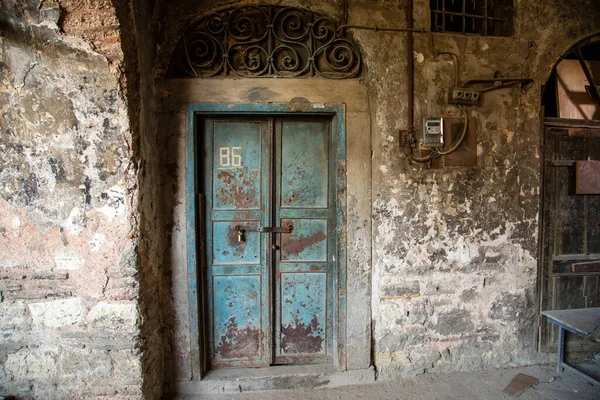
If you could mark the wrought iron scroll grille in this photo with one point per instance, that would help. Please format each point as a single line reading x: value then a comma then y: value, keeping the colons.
x: 266, y: 41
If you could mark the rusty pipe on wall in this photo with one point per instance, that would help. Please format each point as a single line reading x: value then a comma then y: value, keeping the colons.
x: 493, y: 81
x: 410, y: 72
x: 409, y: 29
x: 381, y: 29
x: 410, y: 82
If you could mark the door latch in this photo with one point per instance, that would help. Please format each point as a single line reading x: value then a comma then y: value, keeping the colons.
x: 288, y: 228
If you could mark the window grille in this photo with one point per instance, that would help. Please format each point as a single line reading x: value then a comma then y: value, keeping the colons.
x: 266, y: 41
x: 473, y: 17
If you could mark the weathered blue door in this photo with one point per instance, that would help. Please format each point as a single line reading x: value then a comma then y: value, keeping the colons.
x: 270, y: 240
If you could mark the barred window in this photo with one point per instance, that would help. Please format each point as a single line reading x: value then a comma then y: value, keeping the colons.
x: 473, y: 17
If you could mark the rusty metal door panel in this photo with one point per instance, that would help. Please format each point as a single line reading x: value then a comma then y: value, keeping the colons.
x: 228, y: 250
x: 236, y: 183
x: 304, y: 164
x: 307, y: 242
x: 269, y: 289
x: 304, y: 264
x: 237, y: 319
x: 303, y: 315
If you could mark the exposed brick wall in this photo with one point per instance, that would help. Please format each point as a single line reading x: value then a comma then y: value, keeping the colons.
x: 96, y: 22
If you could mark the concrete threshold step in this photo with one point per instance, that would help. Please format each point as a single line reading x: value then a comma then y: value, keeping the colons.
x: 273, y: 378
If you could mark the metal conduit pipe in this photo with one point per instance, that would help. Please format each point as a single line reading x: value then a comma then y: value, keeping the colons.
x: 410, y: 67
x: 410, y: 72
x: 381, y: 29
x: 494, y: 80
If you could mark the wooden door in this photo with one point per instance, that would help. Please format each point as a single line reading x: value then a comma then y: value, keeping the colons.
x: 304, y: 265
x: 270, y: 239
x: 570, y: 258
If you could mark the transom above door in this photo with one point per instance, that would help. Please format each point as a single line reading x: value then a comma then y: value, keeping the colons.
x: 270, y: 246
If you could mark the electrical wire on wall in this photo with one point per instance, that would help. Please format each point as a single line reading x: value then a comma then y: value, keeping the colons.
x: 417, y: 159
x: 454, y: 62
x: 462, y: 94
x: 455, y: 146
x: 435, y: 152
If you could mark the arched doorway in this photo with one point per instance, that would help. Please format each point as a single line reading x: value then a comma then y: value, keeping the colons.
x: 570, y: 226
x: 242, y: 279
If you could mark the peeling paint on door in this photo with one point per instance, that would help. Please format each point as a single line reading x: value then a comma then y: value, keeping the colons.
x: 271, y: 245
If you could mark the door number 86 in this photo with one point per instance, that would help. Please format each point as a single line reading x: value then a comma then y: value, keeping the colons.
x: 230, y: 156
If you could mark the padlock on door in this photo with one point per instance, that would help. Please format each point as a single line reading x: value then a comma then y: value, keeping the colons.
x: 240, y: 232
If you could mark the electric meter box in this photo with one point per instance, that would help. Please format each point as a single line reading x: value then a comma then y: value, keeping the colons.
x: 433, y: 132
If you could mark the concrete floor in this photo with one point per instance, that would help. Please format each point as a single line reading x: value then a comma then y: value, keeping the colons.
x: 486, y: 385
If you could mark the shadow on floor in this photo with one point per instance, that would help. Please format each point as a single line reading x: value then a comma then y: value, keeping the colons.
x: 484, y: 385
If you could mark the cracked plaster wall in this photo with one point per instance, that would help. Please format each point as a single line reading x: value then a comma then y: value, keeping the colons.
x: 454, y: 250
x: 454, y: 268
x: 69, y: 284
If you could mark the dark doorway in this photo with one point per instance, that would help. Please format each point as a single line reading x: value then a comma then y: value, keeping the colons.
x: 570, y: 225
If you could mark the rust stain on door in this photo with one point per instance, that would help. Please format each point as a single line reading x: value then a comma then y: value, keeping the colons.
x: 302, y: 338
x: 296, y: 246
x: 238, y: 343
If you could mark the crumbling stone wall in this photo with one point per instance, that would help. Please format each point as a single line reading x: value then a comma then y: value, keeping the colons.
x: 454, y: 250
x: 69, y: 319
x: 139, y: 30
x: 87, y: 239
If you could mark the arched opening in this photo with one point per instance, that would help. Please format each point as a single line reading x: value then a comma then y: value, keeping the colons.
x: 253, y: 155
x: 265, y: 41
x: 570, y: 226
x: 568, y: 92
